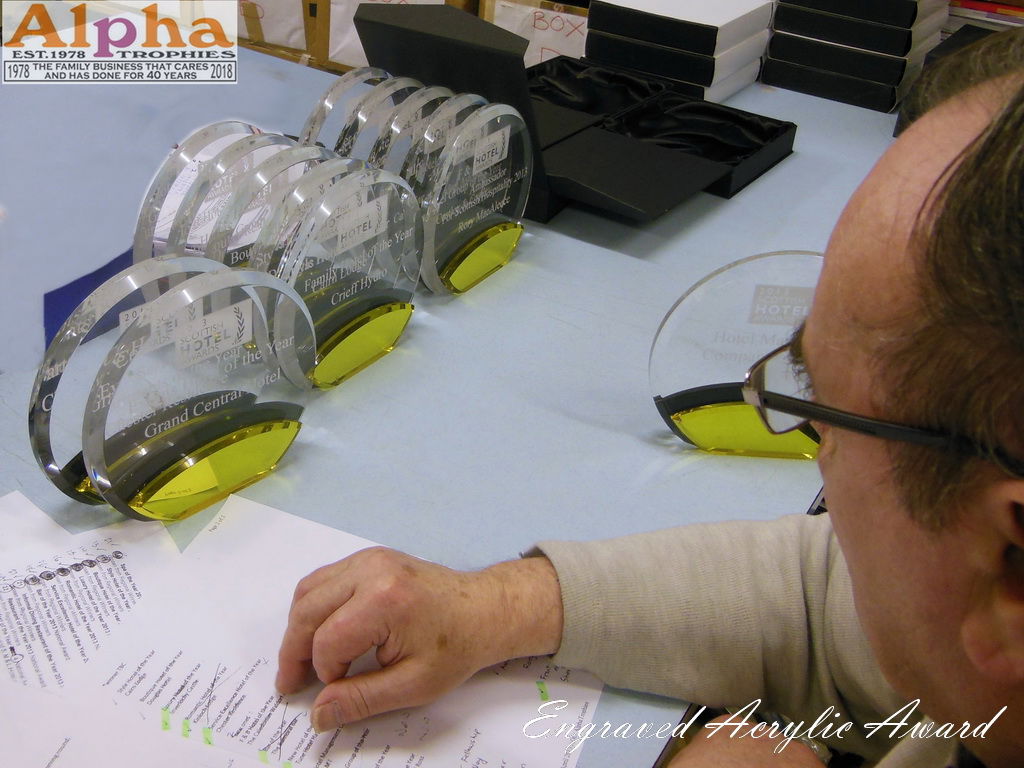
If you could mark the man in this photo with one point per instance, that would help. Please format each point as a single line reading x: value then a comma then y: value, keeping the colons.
x: 918, y: 320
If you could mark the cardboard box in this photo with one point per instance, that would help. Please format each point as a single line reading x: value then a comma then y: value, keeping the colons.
x: 856, y: 33
x: 896, y: 13
x: 575, y: 157
x: 605, y: 47
x: 697, y: 26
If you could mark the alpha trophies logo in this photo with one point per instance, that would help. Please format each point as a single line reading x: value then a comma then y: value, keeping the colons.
x: 128, y: 41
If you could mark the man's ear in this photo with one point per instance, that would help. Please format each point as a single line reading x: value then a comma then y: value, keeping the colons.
x: 992, y: 632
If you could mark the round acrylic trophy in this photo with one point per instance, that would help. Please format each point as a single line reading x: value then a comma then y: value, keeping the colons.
x: 239, y: 222
x: 289, y: 205
x: 173, y: 180
x: 720, y: 327
x: 368, y: 114
x: 195, y: 400
x: 61, y: 389
x: 430, y: 137
x: 354, y: 260
x: 212, y: 187
x: 473, y: 198
x: 406, y: 121
x: 332, y: 112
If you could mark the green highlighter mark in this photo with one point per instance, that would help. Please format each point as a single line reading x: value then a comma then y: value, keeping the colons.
x: 208, y: 736
x: 186, y: 728
x: 264, y: 758
x: 165, y: 719
x: 543, y: 688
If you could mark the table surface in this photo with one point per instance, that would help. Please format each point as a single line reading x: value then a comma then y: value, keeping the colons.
x: 518, y: 412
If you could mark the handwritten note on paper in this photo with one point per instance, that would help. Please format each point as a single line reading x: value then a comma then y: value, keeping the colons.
x: 551, y: 32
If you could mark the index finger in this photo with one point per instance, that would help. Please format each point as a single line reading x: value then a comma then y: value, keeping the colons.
x: 310, y: 608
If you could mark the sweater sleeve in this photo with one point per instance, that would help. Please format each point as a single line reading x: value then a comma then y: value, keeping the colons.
x: 723, y: 614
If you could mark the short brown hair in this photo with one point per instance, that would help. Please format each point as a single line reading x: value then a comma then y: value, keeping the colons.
x: 960, y: 369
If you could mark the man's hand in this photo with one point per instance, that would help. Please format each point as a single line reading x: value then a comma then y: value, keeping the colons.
x: 721, y: 749
x: 432, y: 627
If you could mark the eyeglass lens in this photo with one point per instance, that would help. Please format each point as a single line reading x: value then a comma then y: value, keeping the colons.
x: 783, y: 378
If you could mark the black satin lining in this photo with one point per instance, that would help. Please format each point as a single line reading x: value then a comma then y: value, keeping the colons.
x: 700, y: 128
x: 570, y: 83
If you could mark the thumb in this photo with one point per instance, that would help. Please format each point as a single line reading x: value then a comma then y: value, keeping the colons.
x: 370, y: 693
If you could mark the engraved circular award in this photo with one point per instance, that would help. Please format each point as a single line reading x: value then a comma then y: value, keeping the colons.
x: 195, y: 400
x: 61, y: 388
x: 212, y: 187
x: 173, y: 180
x: 473, y: 198
x: 289, y: 205
x: 406, y: 121
x: 332, y: 112
x: 354, y: 260
x: 239, y: 222
x: 430, y: 137
x: 368, y: 114
x: 710, y: 337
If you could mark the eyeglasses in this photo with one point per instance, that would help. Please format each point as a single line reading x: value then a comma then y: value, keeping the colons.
x: 778, y: 392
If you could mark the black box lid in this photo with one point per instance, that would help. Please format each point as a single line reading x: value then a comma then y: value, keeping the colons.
x: 830, y: 85
x: 832, y: 57
x: 898, y: 13
x: 630, y: 178
x: 695, y: 36
x: 845, y: 30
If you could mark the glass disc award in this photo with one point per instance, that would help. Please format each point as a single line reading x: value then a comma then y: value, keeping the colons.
x: 213, y: 186
x: 62, y: 385
x: 405, y: 122
x: 368, y: 114
x: 713, y: 334
x: 172, y: 181
x: 289, y: 205
x: 474, y: 197
x: 353, y: 257
x: 194, y: 402
x: 332, y: 112
x: 432, y: 136
x: 249, y: 207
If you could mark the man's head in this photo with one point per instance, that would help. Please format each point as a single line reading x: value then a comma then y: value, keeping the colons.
x: 919, y: 319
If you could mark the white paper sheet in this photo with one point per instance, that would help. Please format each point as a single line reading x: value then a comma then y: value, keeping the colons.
x: 56, y: 731
x: 199, y: 663
x: 63, y: 596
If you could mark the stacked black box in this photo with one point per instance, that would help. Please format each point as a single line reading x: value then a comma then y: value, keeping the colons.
x: 715, y: 48
x: 862, y: 52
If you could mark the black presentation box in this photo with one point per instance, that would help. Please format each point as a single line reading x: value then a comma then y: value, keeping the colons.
x: 714, y: 27
x: 664, y: 118
x: 608, y: 48
x: 576, y: 155
x: 896, y: 13
x: 831, y: 85
x: 857, y: 33
x: 841, y: 59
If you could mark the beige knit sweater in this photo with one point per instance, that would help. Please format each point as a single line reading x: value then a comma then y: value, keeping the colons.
x: 723, y: 614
